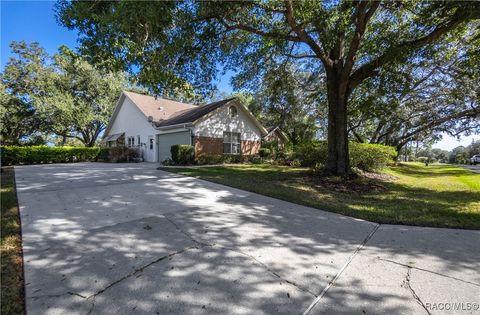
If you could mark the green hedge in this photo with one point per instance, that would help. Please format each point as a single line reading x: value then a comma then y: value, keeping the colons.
x: 365, y: 156
x: 265, y: 152
x: 182, y: 154
x: 14, y: 155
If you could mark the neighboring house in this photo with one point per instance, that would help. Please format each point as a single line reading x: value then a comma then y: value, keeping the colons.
x: 276, y: 134
x: 155, y: 124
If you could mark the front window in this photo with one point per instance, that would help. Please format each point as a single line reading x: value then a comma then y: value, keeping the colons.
x: 150, y: 143
x: 131, y: 141
x: 231, y: 143
x: 232, y: 111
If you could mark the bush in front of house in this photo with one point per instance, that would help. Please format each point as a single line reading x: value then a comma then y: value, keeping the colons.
x: 183, y: 154
x: 265, y: 152
x: 15, y: 155
x: 103, y: 154
x: 370, y: 157
x: 311, y: 153
x: 123, y: 154
x: 209, y: 159
x: 365, y: 156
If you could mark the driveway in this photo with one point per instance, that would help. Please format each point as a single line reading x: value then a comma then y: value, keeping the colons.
x: 129, y: 239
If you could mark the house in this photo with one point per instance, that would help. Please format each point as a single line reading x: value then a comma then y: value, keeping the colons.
x: 154, y: 124
x: 276, y: 134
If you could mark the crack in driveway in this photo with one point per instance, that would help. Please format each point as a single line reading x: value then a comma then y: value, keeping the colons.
x: 429, y: 271
x: 136, y: 271
x: 412, y: 291
x: 339, y: 273
x: 266, y: 267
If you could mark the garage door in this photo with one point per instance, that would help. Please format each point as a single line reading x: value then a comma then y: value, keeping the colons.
x: 166, y: 141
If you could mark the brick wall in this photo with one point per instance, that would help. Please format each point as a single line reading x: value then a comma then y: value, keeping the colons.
x: 208, y: 145
x: 249, y: 147
x: 215, y: 146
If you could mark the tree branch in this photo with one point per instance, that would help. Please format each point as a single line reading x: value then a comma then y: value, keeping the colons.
x: 250, y: 29
x: 406, y: 47
x: 437, y: 122
x: 363, y: 16
x: 303, y: 35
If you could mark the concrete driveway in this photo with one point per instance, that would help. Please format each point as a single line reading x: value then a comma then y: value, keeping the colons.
x: 129, y: 239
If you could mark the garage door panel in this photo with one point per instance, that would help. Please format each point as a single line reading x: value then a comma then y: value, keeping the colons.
x: 165, y: 142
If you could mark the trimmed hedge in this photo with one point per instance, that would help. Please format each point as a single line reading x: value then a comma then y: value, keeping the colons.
x: 182, y: 154
x: 211, y: 159
x: 365, y: 156
x: 14, y: 155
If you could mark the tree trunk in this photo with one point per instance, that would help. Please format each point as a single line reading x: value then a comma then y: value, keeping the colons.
x: 338, y: 162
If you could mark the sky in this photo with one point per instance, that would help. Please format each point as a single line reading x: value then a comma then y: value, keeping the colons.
x: 35, y: 21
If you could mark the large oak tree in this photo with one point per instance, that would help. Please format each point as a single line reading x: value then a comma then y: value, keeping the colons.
x: 173, y: 43
x: 61, y: 95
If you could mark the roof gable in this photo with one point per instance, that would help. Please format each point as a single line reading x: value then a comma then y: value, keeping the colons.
x: 157, y: 108
x: 191, y: 115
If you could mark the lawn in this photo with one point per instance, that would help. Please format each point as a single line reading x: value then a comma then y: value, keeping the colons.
x: 11, y: 247
x: 411, y: 193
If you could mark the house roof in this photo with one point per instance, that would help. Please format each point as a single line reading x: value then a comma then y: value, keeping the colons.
x: 157, y: 108
x: 277, y: 129
x: 166, y: 113
x: 114, y: 137
x: 190, y: 115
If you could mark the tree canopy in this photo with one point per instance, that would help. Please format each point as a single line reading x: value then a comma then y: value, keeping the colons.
x: 171, y: 44
x: 61, y: 95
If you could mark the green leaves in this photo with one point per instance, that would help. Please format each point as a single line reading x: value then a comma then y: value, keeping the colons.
x: 62, y: 95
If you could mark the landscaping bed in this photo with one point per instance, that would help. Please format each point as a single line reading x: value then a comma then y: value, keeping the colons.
x: 411, y: 193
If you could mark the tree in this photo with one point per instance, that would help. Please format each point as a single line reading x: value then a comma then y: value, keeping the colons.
x: 176, y: 42
x: 20, y: 124
x: 420, y: 100
x: 64, y: 94
x: 284, y: 99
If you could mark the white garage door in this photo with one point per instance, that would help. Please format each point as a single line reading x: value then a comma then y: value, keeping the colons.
x: 166, y: 141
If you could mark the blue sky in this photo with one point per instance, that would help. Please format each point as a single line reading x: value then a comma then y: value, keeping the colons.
x: 35, y: 21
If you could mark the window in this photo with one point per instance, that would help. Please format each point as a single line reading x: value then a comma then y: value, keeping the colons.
x: 150, y: 143
x: 131, y: 141
x: 231, y: 143
x: 138, y: 141
x: 232, y: 111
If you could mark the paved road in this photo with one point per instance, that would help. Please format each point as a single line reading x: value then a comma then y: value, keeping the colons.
x: 129, y: 239
x: 473, y: 168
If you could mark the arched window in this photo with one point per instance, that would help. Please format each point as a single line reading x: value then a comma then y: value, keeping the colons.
x: 232, y: 111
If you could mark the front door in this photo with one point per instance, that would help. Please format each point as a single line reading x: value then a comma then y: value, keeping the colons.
x: 151, y: 149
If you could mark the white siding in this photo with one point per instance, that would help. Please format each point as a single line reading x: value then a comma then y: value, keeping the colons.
x: 133, y: 123
x: 214, y: 124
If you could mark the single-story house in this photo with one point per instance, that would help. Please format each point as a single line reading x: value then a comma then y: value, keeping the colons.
x: 154, y: 124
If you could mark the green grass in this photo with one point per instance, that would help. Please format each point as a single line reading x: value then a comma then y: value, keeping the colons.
x: 10, y: 247
x: 411, y: 194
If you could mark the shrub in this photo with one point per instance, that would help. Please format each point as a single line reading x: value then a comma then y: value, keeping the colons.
x: 365, y: 156
x: 183, y: 154
x: 123, y: 154
x: 264, y: 152
x: 370, y: 157
x: 208, y: 159
x: 103, y: 154
x: 167, y: 162
x: 15, y: 155
x: 309, y: 154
